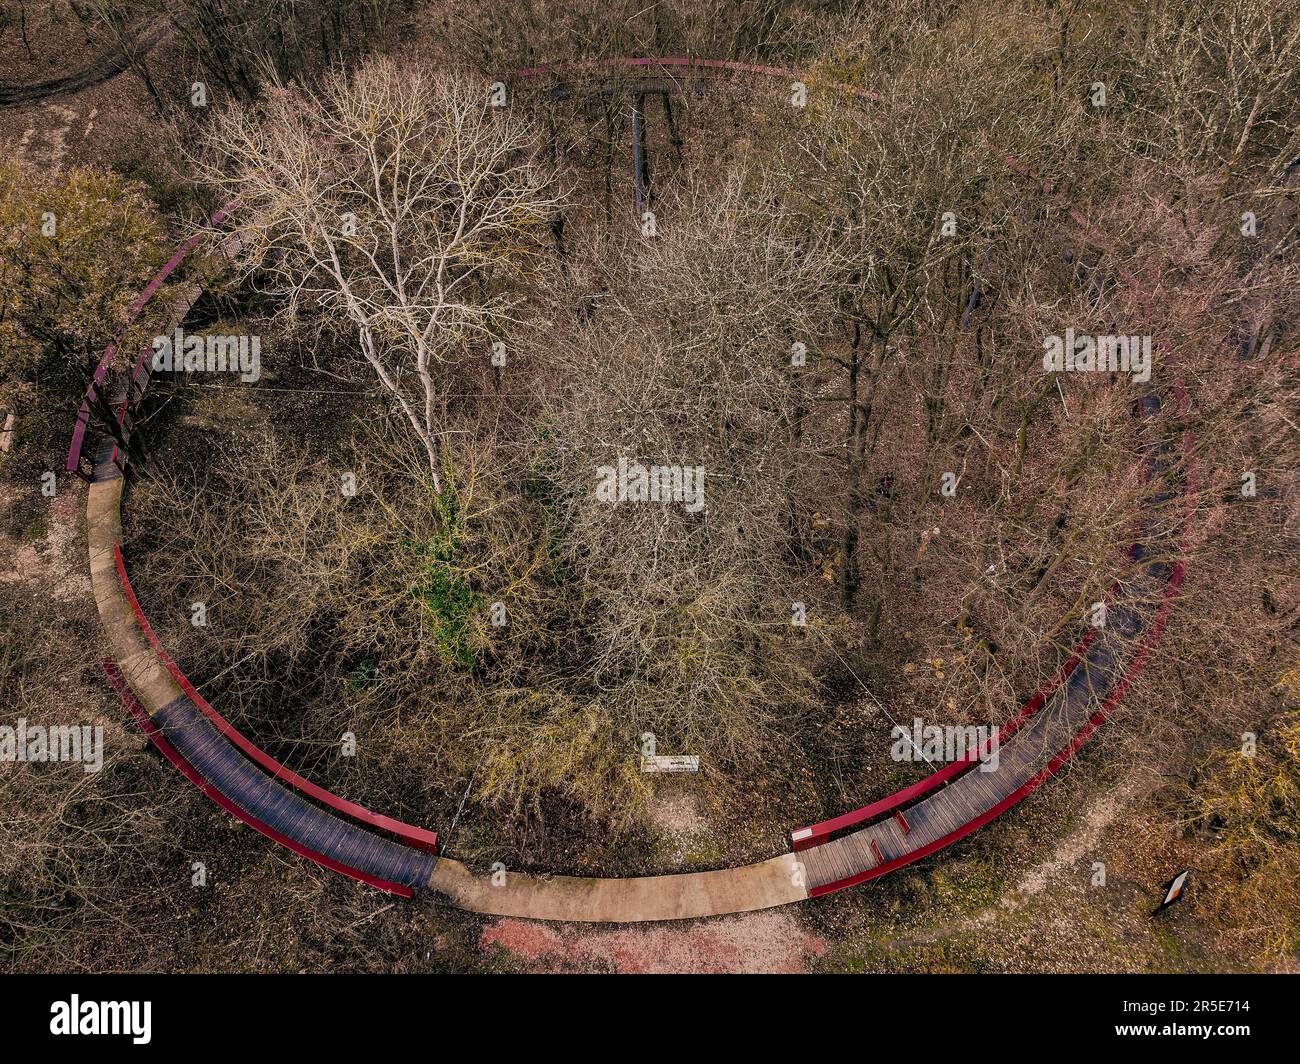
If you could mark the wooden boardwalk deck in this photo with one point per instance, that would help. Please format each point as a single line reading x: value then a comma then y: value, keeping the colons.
x: 980, y: 789
x: 224, y: 766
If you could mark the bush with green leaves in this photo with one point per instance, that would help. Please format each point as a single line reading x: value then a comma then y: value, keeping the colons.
x: 76, y: 248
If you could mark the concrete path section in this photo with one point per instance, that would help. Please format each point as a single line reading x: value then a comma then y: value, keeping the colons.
x: 777, y: 881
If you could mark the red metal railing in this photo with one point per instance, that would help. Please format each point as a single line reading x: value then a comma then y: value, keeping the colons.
x: 421, y: 838
x: 141, y: 368
x: 173, y: 755
x: 584, y: 66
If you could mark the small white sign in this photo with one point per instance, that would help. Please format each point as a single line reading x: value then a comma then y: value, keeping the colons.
x: 670, y: 763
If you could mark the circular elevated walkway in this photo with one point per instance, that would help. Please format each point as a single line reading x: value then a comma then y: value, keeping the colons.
x: 396, y: 857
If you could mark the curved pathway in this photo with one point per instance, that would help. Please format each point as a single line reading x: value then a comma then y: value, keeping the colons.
x: 917, y: 821
x: 104, y: 67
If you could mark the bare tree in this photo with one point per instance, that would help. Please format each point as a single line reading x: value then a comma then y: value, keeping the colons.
x: 396, y: 202
x: 684, y: 359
